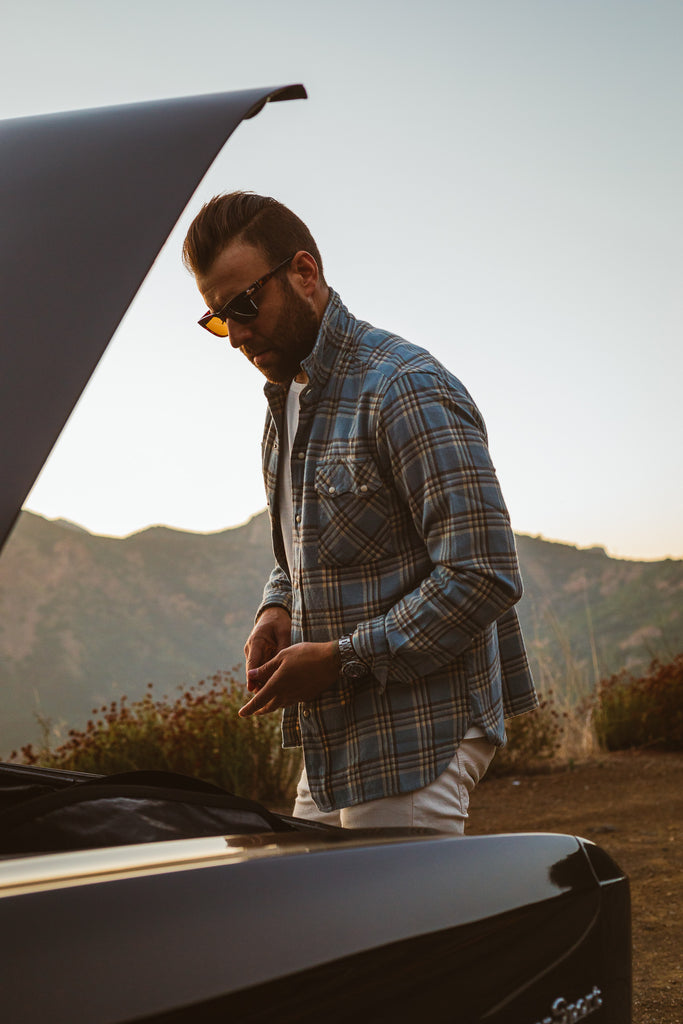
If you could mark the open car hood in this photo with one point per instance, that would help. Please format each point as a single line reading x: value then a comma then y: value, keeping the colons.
x: 87, y: 199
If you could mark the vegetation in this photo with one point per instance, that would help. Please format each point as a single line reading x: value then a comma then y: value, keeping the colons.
x: 201, y: 734
x: 197, y: 734
x: 534, y: 739
x: 642, y: 712
x: 623, y: 711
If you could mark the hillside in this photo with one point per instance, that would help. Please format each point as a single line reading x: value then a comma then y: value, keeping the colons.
x: 85, y: 618
x: 586, y: 613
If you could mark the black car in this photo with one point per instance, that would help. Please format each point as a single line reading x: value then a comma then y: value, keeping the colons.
x: 152, y: 897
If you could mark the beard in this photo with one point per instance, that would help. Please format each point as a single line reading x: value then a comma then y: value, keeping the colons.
x: 292, y: 338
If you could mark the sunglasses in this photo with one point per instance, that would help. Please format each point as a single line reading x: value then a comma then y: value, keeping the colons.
x: 242, y: 308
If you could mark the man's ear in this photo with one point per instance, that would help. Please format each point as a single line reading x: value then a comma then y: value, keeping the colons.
x: 305, y: 271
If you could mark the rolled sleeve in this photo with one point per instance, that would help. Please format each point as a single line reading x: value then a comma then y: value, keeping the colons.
x: 277, y: 591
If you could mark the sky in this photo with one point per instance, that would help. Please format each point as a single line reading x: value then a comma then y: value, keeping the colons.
x: 498, y: 181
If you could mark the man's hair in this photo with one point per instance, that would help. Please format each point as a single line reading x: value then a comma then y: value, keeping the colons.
x: 257, y: 220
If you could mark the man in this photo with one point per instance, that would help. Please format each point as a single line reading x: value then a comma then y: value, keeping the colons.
x: 387, y: 630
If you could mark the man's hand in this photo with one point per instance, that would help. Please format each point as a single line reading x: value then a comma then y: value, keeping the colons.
x: 271, y: 634
x: 300, y: 672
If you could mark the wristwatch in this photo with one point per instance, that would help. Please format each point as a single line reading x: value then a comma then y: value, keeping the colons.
x: 351, y: 665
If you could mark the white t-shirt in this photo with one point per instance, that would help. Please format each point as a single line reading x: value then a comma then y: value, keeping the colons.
x: 285, y: 510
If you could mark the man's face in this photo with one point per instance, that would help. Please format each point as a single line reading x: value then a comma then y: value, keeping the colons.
x: 286, y: 327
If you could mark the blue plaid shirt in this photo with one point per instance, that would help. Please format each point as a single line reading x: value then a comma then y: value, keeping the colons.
x: 402, y: 539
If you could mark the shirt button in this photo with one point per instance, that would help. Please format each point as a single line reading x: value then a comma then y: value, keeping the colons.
x: 363, y: 488
x: 306, y: 712
x: 301, y: 455
x: 298, y: 519
x: 332, y: 490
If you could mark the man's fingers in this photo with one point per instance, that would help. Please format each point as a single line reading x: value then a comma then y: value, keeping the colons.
x: 261, y: 703
x: 259, y: 680
x: 258, y: 652
x: 259, y: 676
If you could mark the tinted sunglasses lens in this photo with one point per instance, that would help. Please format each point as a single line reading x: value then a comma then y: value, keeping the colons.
x: 215, y: 325
x: 241, y: 309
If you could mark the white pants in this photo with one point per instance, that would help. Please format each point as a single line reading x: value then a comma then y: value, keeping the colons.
x: 442, y: 804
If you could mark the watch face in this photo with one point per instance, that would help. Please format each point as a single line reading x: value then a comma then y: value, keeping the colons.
x: 354, y: 670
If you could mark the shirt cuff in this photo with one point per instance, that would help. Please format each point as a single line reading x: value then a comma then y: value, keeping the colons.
x: 279, y: 602
x: 372, y: 646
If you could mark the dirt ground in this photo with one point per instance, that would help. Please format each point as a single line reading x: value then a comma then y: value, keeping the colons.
x: 631, y: 804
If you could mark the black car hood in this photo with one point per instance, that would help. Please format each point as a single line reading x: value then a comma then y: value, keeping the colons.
x: 87, y: 199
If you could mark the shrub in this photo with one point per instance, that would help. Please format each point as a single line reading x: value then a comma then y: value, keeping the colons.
x: 197, y: 734
x: 642, y: 712
x: 533, y: 740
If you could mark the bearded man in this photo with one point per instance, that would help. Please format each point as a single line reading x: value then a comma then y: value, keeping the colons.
x: 387, y: 630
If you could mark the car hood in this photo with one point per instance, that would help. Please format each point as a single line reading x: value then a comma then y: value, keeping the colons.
x: 87, y: 199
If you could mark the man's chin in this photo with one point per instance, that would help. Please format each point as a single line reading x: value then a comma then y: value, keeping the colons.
x: 278, y: 375
x: 275, y: 370
x: 266, y: 362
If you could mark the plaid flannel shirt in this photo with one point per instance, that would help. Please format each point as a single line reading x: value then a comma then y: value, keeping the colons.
x: 402, y: 539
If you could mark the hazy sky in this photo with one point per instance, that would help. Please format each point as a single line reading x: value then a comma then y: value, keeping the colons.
x: 497, y: 180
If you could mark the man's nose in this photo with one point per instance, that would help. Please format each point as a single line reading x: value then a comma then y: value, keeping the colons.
x: 238, y: 334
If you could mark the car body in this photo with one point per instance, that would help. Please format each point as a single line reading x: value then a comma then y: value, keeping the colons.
x: 156, y: 898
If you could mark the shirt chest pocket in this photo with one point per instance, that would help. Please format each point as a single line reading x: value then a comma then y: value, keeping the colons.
x: 353, y: 513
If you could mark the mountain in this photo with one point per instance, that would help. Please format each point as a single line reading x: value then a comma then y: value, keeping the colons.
x: 84, y: 618
x: 586, y: 615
